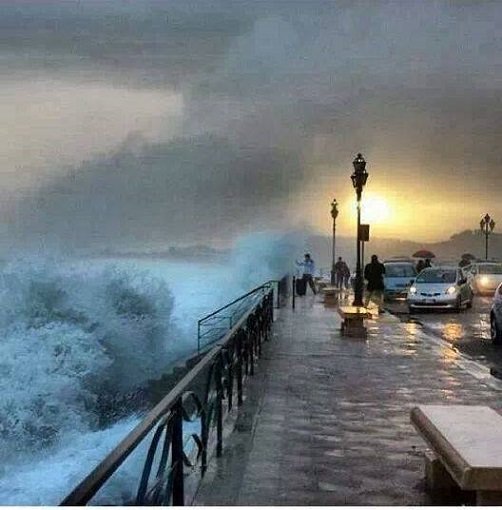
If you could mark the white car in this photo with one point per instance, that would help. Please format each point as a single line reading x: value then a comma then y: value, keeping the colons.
x: 496, y: 317
x: 398, y: 278
x: 484, y: 277
x: 440, y: 287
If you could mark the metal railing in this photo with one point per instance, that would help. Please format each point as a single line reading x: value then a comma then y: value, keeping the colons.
x: 214, y: 326
x: 187, y: 424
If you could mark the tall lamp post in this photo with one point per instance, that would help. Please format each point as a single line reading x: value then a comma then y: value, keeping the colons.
x: 359, y: 178
x: 487, y: 225
x: 334, y: 214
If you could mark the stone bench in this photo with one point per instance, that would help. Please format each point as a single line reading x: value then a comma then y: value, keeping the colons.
x: 330, y: 295
x: 353, y: 320
x: 466, y: 444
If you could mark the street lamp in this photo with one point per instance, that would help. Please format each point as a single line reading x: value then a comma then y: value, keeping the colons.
x: 334, y: 214
x: 359, y: 178
x: 487, y: 225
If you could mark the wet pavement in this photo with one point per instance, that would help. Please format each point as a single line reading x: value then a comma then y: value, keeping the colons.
x: 467, y: 331
x: 326, y: 418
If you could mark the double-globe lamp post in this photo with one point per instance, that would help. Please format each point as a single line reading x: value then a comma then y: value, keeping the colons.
x: 487, y: 225
x: 334, y: 214
x: 359, y: 178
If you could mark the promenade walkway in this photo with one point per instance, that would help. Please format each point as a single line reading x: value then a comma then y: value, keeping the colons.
x: 326, y: 418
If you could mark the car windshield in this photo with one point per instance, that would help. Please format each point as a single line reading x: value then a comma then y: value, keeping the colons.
x: 399, y: 270
x: 490, y: 269
x: 437, y: 276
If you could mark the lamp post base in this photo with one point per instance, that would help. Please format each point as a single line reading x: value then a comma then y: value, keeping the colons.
x: 333, y: 277
x: 358, y: 292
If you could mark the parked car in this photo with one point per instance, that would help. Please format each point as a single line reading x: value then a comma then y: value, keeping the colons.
x: 440, y: 287
x: 399, y: 275
x: 484, y: 277
x: 496, y: 316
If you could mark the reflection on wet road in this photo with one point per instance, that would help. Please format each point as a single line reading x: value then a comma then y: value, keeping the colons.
x: 467, y: 331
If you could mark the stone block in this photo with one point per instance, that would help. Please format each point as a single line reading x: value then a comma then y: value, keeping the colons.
x: 489, y: 498
x: 436, y: 475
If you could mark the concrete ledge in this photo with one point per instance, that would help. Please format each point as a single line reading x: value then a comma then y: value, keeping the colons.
x: 354, y: 312
x: 467, y: 440
x: 353, y: 321
x: 330, y: 295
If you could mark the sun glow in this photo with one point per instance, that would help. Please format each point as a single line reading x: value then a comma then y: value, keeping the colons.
x: 375, y: 209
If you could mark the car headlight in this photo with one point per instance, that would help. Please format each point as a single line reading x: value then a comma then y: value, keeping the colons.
x: 451, y: 290
x: 413, y: 290
x: 484, y: 280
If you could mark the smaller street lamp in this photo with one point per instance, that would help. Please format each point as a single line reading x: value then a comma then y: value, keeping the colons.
x: 487, y: 225
x: 334, y: 214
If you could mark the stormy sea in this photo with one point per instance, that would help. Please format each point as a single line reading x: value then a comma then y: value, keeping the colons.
x: 81, y: 339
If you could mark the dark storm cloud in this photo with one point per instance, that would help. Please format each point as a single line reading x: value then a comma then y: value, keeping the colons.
x: 414, y: 80
x: 146, y: 194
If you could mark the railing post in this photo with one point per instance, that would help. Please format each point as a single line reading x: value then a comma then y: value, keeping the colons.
x: 219, y: 408
x: 259, y: 327
x: 177, y: 455
x: 270, y: 318
x: 204, y: 435
x: 230, y: 377
x: 239, y: 367
x: 251, y: 341
x: 294, y: 293
x: 245, y: 350
x: 198, y: 337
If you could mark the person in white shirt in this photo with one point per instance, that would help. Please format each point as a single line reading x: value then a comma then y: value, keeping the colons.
x: 308, y: 266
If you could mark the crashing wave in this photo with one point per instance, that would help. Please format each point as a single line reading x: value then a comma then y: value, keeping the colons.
x: 70, y: 338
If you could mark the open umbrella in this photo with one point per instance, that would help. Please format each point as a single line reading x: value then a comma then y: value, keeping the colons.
x: 423, y: 254
x: 468, y: 256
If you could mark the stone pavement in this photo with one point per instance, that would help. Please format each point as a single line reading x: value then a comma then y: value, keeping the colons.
x: 326, y: 418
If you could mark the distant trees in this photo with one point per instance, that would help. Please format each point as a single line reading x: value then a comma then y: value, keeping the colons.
x: 465, y: 234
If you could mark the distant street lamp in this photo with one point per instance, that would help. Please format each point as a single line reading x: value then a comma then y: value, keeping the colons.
x: 359, y: 178
x: 334, y: 214
x: 487, y: 225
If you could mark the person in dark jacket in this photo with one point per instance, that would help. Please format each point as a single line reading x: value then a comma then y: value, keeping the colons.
x: 373, y: 274
x: 342, y: 273
x: 420, y: 266
x: 464, y: 262
x: 427, y: 263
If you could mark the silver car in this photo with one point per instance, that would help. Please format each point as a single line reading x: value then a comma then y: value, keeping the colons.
x: 496, y: 317
x: 440, y: 288
x: 484, y: 277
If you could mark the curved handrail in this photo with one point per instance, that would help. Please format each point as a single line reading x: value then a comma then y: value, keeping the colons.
x: 244, y: 343
x: 220, y: 323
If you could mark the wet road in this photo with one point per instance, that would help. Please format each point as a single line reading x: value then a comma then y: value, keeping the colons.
x: 467, y: 331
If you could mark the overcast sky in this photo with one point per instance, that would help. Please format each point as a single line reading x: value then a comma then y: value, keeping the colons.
x: 139, y: 124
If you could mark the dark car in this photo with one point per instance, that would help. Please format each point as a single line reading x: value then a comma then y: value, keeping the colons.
x: 496, y: 316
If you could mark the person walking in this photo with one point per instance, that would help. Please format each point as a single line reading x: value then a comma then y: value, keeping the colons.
x: 464, y: 262
x: 374, y: 273
x: 342, y: 273
x: 308, y: 266
x: 420, y: 265
x: 346, y: 276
